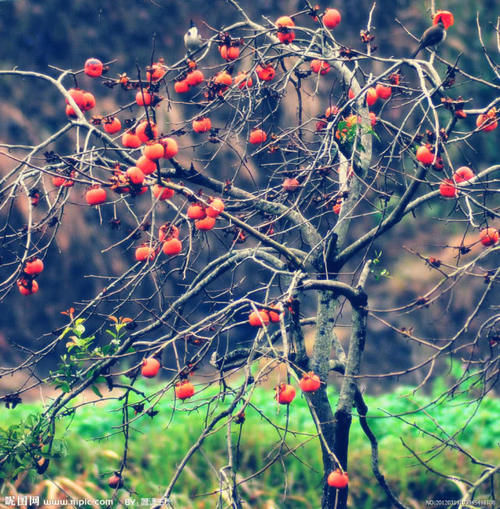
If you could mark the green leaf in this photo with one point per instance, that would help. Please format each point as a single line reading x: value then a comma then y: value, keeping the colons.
x: 64, y: 332
x: 64, y: 386
x: 79, y: 328
x: 96, y: 391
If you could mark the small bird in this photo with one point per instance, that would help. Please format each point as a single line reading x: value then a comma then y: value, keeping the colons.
x: 192, y: 39
x: 433, y: 36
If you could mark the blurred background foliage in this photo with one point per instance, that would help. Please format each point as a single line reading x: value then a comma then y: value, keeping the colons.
x: 90, y: 448
x: 41, y: 36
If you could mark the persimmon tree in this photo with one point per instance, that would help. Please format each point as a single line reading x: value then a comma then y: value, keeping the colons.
x: 231, y: 268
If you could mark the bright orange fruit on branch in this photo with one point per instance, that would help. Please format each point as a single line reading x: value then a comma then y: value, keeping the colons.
x: 162, y: 193
x: 77, y: 96
x: 172, y: 246
x: 196, y: 211
x: 371, y: 96
x: 88, y: 101
x: 310, y: 382
x: 146, y: 131
x: 331, y: 18
x: 447, y: 189
x: 96, y: 195
x: 320, y: 67
x: 257, y: 136
x: 112, y: 125
x: 146, y: 165
x: 274, y: 316
x: 170, y: 146
x: 229, y: 52
x: 425, y: 155
x: 184, y: 389
x: 383, y: 91
x: 153, y: 151
x: 135, y: 175
x: 205, y: 224
x: 338, y: 479
x: 337, y: 206
x: 27, y: 286
x: 168, y: 231
x: 202, y: 125
x: 143, y: 98
x: 93, y: 67
x: 489, y: 236
x: 285, y: 21
x: 462, y: 174
x: 285, y: 394
x: 157, y: 72
x: 33, y: 267
x: 145, y: 253
x: 259, y: 318
x: 487, y: 121
x: 265, y: 72
x: 285, y: 34
x: 131, y: 140
x: 115, y: 481
x: 195, y: 78
x: 242, y: 80
x: 181, y: 87
x: 223, y: 78
x: 215, y: 208
x: 150, y: 367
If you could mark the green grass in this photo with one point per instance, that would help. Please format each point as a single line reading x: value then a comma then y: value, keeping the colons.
x: 158, y: 444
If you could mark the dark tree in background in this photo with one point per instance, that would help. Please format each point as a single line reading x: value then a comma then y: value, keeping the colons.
x: 232, y: 211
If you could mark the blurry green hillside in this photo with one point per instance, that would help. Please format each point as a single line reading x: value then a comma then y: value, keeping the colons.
x: 92, y: 445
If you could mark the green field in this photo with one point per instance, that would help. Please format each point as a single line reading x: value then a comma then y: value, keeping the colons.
x: 92, y: 445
